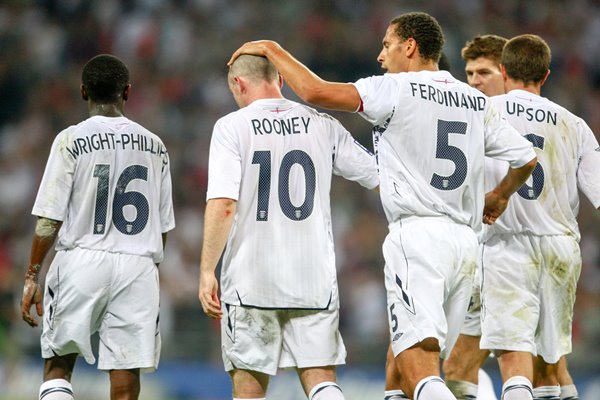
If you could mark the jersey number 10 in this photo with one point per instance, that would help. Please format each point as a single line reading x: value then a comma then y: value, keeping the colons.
x: 295, y: 213
x: 121, y: 199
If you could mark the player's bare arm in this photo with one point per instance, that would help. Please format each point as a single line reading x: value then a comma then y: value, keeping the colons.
x: 305, y: 83
x: 496, y: 200
x: 218, y: 218
x: 45, y: 234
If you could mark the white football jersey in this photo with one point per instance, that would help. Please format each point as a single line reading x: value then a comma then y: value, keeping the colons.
x: 430, y: 136
x: 108, y: 180
x: 276, y: 158
x: 568, y: 159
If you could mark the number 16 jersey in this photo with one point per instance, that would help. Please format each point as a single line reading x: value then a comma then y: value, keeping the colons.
x: 276, y: 158
x: 108, y: 180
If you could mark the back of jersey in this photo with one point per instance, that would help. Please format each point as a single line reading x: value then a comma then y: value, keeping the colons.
x: 276, y: 158
x: 431, y: 132
x: 547, y: 204
x: 108, y: 180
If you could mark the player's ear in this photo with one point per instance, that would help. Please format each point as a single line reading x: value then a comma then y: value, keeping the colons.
x: 411, y: 47
x: 504, y: 74
x: 240, y: 83
x: 126, y: 91
x: 545, y: 77
x: 84, y: 93
x: 280, y: 81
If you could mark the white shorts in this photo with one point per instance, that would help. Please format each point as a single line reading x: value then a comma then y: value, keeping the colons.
x: 528, y: 292
x: 264, y: 340
x: 472, y: 324
x: 429, y: 267
x: 116, y: 295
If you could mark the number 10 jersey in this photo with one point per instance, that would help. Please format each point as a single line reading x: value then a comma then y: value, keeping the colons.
x: 276, y: 157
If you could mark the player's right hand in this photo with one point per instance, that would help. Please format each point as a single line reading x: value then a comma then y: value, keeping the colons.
x: 32, y: 294
x: 208, y: 293
x: 255, y: 48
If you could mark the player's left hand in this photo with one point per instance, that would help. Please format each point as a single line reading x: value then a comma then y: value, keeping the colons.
x: 32, y: 294
x: 208, y: 294
x: 495, y: 204
x: 255, y: 48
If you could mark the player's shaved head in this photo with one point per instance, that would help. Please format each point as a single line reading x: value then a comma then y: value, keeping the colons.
x: 526, y: 58
x: 105, y: 77
x: 256, y: 69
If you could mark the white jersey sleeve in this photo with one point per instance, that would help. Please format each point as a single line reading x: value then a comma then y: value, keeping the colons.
x: 588, y: 178
x: 276, y: 158
x: 224, y: 168
x: 353, y: 161
x: 55, y: 189
x: 108, y: 180
x: 503, y: 142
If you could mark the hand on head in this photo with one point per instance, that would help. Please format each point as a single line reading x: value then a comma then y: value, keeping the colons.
x: 255, y: 48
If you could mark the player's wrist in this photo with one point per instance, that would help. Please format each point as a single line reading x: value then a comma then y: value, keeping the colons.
x: 33, y: 272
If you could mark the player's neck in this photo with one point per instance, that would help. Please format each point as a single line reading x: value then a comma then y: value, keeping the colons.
x: 264, y: 92
x: 421, y: 65
x: 105, y: 110
x: 520, y: 85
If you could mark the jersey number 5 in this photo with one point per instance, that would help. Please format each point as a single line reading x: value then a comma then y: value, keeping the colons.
x: 121, y: 199
x: 446, y: 151
x: 295, y: 213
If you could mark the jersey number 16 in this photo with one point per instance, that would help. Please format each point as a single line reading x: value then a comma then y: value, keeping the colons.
x: 121, y: 199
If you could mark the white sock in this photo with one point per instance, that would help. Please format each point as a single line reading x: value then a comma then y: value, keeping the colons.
x: 569, y: 392
x: 517, y: 388
x: 326, y: 391
x: 432, y: 388
x: 395, y: 395
x: 485, y: 389
x: 463, y: 390
x: 56, y: 389
x: 546, y: 393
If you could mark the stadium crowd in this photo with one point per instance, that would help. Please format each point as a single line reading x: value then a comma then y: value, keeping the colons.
x: 177, y: 52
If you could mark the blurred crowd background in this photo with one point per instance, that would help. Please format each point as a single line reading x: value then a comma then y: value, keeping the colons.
x: 177, y: 52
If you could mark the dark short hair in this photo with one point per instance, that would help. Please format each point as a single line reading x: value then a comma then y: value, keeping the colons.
x: 105, y: 77
x: 526, y: 58
x: 488, y: 46
x: 424, y: 29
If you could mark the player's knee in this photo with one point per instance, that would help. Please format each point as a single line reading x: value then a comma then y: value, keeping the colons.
x: 326, y: 391
x: 56, y: 389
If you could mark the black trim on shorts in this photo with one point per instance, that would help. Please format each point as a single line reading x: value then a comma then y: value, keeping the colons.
x: 284, y: 308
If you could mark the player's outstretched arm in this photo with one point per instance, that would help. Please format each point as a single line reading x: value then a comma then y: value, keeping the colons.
x: 218, y: 218
x: 45, y: 234
x: 496, y: 200
x: 305, y: 83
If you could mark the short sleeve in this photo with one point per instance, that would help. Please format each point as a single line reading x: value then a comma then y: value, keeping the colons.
x: 55, y: 189
x: 377, y: 94
x: 503, y: 142
x: 588, y: 179
x: 355, y: 162
x: 167, y: 216
x: 225, y: 163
